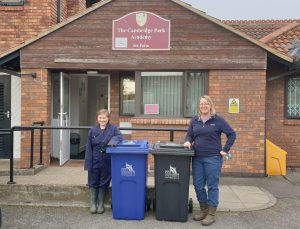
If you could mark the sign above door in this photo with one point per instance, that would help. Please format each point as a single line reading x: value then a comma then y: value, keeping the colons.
x: 141, y: 30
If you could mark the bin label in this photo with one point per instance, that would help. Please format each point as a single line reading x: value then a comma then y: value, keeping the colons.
x: 172, y: 173
x: 128, y: 171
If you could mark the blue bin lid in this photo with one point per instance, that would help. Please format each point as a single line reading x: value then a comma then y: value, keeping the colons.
x: 130, y: 147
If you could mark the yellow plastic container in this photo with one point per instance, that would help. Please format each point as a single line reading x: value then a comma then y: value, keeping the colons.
x: 276, y: 159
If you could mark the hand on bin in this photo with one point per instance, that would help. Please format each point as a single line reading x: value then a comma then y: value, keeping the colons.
x: 187, y: 144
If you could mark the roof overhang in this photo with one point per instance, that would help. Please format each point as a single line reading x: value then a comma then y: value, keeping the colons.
x: 11, y: 61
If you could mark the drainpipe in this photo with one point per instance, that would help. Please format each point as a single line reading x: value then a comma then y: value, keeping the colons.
x: 58, y: 11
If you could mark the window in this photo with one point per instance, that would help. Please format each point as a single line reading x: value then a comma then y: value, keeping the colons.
x: 127, y: 94
x: 172, y: 94
x: 196, y: 85
x: 293, y: 97
x: 163, y: 89
x: 11, y: 2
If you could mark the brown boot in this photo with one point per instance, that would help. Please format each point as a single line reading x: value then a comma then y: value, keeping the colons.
x: 210, y: 217
x: 203, y: 212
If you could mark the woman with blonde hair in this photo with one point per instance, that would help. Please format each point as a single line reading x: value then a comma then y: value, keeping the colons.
x: 97, y: 161
x: 204, y: 136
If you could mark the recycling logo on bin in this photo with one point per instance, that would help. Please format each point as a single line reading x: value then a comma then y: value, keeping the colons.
x: 172, y: 173
x: 128, y: 171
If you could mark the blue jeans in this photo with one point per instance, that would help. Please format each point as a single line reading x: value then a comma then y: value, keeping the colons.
x: 206, y: 172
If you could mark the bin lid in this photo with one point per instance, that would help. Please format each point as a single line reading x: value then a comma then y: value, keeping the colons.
x: 171, y: 148
x: 130, y: 147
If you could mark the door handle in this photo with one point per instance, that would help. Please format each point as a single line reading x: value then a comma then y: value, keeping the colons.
x: 7, y: 113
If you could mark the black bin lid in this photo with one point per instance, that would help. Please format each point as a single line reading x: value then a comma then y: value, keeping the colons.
x: 171, y: 148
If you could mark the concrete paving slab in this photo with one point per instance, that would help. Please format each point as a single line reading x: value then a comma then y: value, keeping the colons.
x: 232, y: 197
x: 293, y: 176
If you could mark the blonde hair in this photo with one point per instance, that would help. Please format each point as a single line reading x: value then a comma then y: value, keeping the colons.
x: 212, y: 106
x: 103, y: 112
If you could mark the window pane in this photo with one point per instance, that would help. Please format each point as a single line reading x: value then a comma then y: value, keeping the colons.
x: 11, y: 2
x: 164, y: 89
x: 196, y: 86
x: 128, y: 95
x: 293, y: 97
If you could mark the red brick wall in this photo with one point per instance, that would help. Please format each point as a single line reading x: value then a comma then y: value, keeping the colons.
x: 114, y: 98
x: 75, y: 7
x: 281, y: 131
x: 20, y: 23
x: 249, y: 124
x: 35, y: 106
x: 249, y: 86
x: 64, y: 10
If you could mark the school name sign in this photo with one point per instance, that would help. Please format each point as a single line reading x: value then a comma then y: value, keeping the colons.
x: 141, y: 31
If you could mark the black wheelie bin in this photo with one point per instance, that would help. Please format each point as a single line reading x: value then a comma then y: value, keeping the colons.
x: 172, y: 178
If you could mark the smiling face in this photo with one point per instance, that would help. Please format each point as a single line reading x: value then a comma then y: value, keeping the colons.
x: 102, y: 119
x: 205, y: 107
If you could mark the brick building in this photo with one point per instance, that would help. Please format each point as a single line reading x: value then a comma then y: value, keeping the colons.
x: 21, y: 20
x: 104, y: 57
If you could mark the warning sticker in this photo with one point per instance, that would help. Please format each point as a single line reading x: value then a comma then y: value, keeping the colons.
x: 234, y: 105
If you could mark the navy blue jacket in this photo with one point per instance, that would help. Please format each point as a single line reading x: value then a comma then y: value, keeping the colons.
x: 95, y: 154
x: 206, y: 137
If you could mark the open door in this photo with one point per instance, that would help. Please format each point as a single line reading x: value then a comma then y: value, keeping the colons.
x: 64, y: 119
x: 61, y: 118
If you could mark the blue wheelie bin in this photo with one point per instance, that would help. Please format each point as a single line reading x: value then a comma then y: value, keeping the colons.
x: 129, y: 173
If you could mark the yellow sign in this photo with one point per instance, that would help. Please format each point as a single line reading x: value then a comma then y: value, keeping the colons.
x: 234, y: 106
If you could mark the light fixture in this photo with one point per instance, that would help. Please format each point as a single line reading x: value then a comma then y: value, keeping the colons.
x: 33, y: 74
x: 92, y: 72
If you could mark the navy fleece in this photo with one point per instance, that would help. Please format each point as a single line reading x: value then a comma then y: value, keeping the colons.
x: 206, y: 137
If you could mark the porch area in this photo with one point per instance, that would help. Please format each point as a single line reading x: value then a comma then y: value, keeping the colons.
x: 65, y: 186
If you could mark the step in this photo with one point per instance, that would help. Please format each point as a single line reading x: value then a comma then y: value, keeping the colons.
x: 51, y: 195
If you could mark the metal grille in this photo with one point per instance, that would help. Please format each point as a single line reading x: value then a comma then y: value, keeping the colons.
x: 1, y: 101
x: 293, y: 97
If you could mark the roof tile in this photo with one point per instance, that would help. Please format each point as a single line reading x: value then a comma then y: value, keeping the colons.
x: 277, y: 34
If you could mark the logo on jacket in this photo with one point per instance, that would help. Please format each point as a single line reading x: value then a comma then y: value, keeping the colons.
x: 172, y: 173
x: 128, y: 171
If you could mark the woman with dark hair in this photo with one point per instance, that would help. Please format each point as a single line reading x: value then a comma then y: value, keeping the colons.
x: 204, y: 135
x: 97, y: 161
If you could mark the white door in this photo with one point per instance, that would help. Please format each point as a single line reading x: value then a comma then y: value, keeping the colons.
x: 64, y: 119
x: 61, y: 117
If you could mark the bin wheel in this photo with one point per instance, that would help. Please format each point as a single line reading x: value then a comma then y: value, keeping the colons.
x: 190, y: 205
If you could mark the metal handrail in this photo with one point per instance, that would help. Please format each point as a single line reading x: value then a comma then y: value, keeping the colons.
x: 41, y: 128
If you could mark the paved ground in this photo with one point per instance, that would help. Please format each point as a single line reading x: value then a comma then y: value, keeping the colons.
x: 233, y: 197
x: 283, y: 214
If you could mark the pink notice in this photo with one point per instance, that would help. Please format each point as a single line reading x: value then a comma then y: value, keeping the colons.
x: 151, y: 109
x: 141, y: 31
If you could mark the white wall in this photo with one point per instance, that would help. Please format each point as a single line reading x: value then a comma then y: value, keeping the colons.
x: 16, y: 113
x: 98, y: 96
x: 78, y: 109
